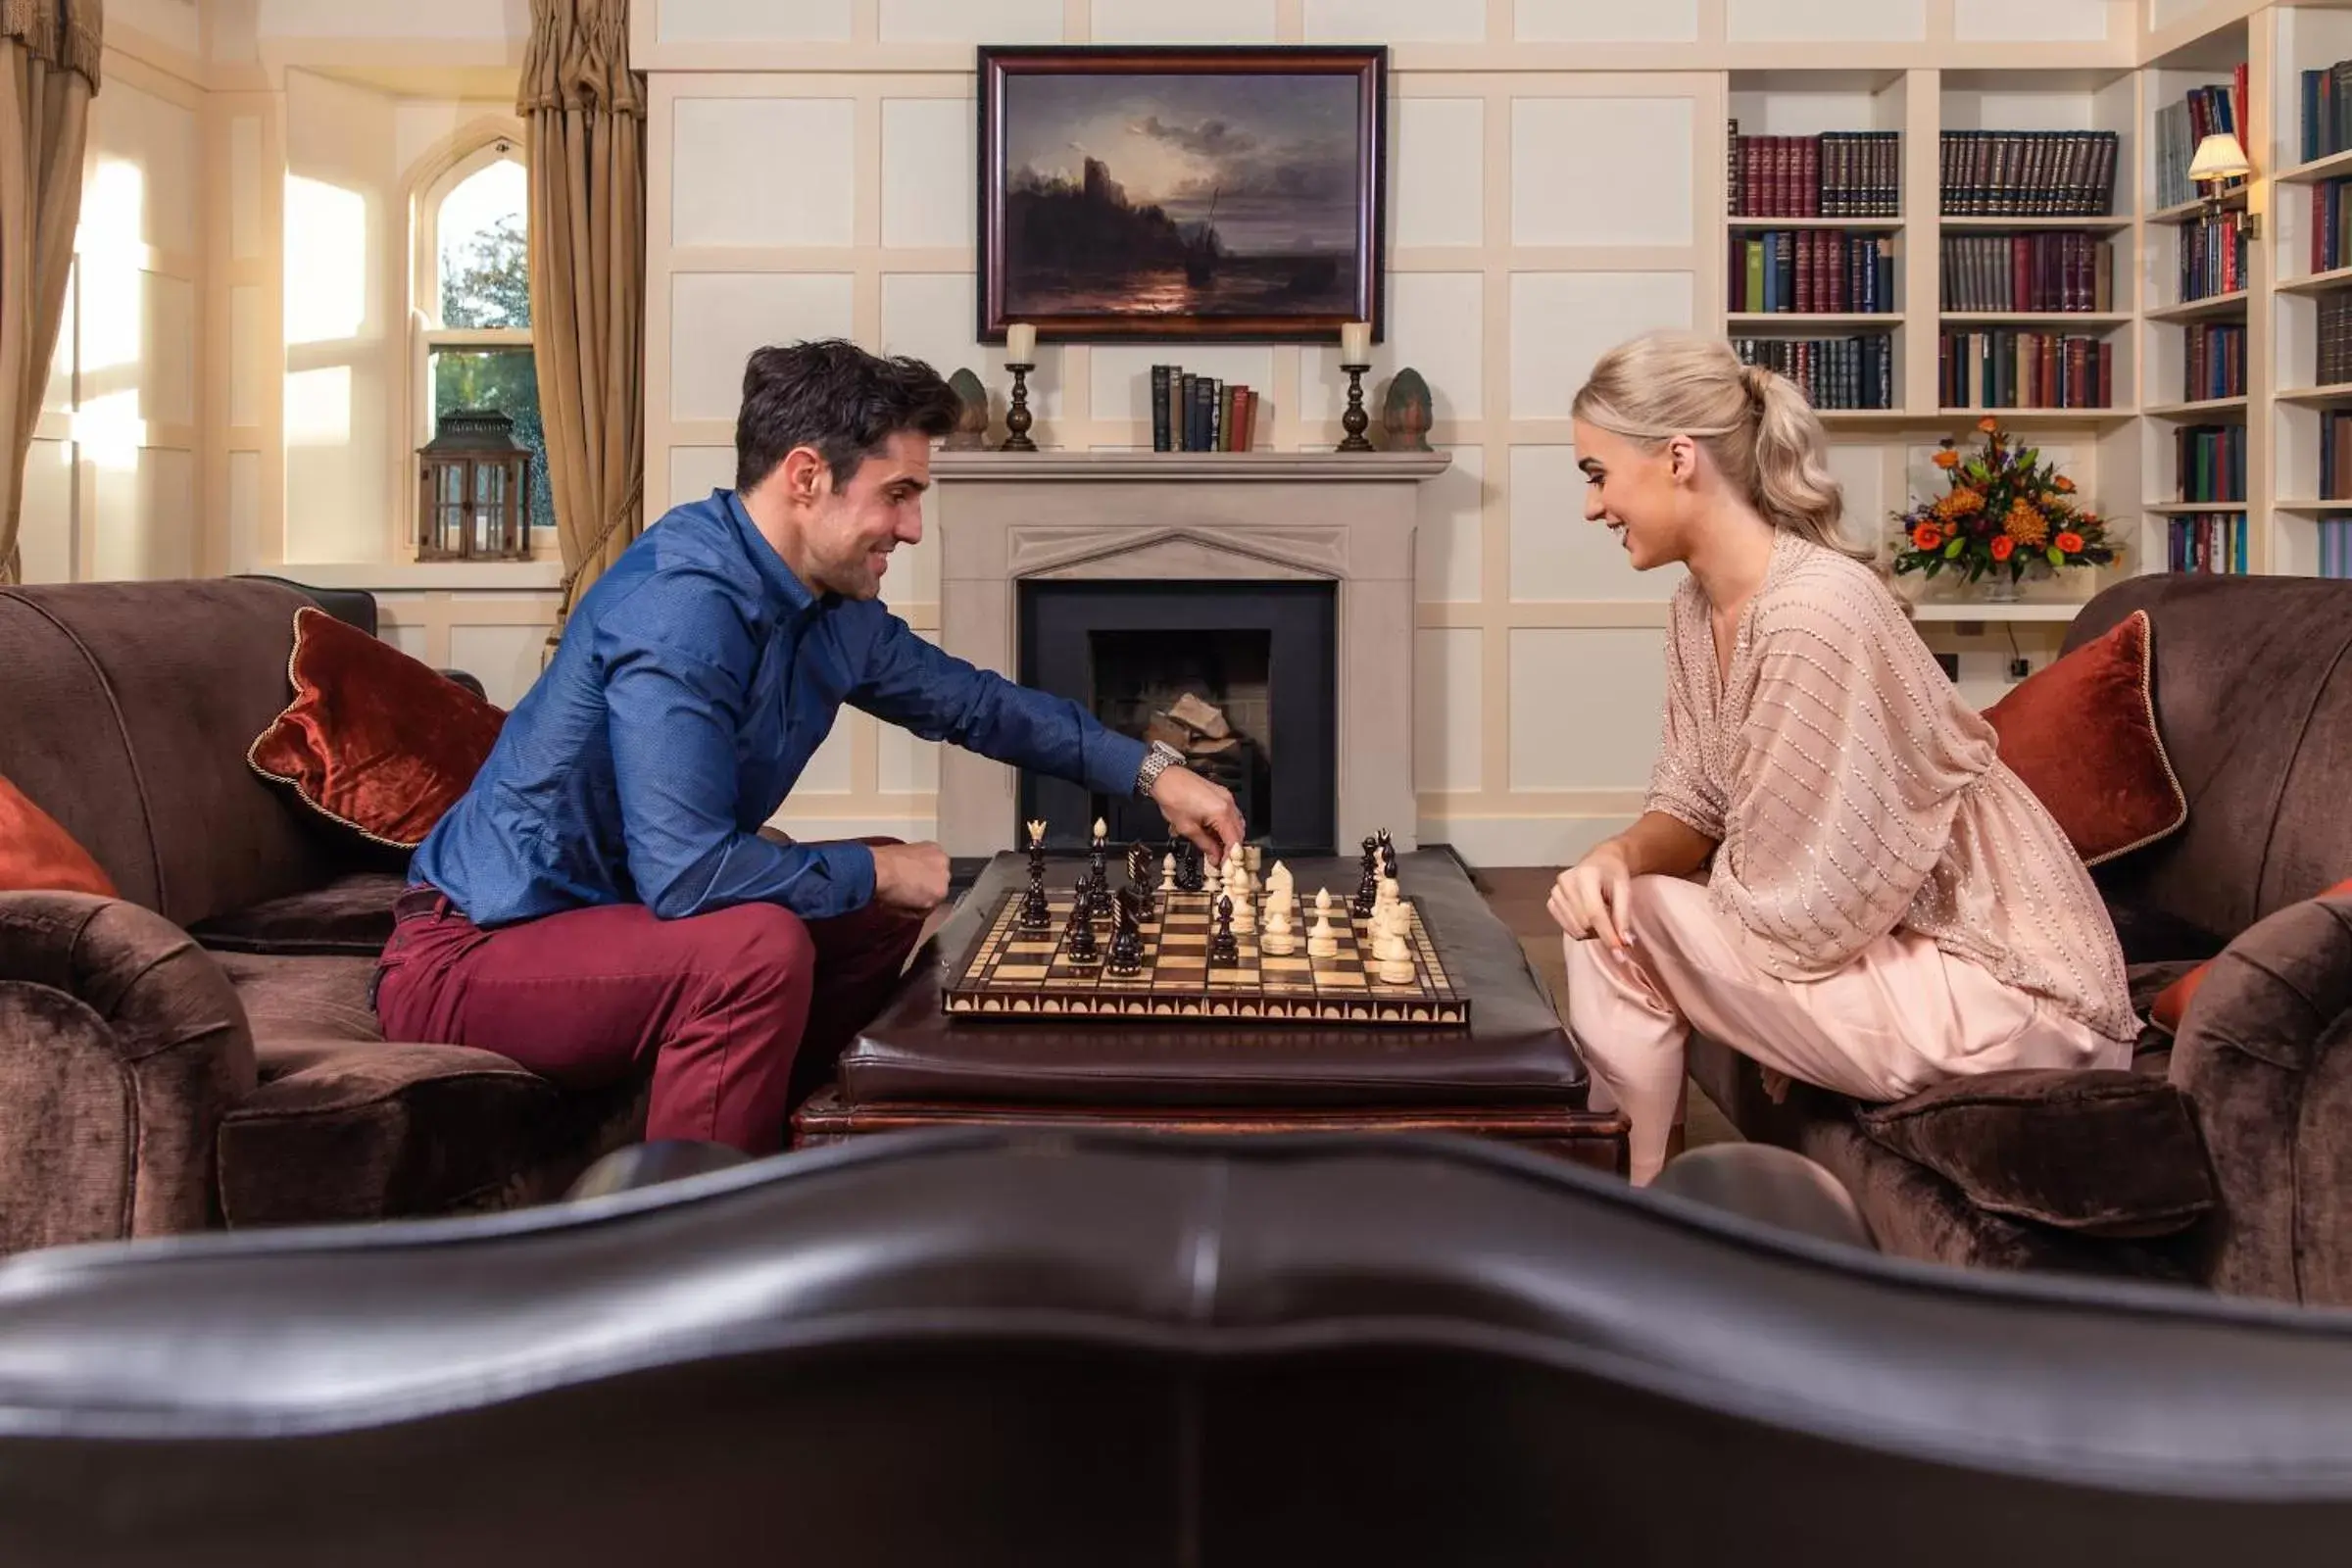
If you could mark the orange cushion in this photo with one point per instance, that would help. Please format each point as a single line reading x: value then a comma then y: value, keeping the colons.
x: 373, y: 739
x: 2081, y: 733
x: 2173, y: 1001
x: 36, y: 854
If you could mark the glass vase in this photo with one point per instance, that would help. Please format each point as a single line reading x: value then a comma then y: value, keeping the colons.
x: 2000, y: 588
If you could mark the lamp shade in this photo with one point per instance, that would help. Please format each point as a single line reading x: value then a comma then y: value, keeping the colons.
x: 2220, y: 156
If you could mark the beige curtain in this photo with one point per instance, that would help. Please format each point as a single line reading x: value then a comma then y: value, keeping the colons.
x: 585, y: 114
x: 48, y: 72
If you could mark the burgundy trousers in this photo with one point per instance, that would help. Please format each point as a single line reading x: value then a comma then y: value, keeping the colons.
x: 737, y: 1013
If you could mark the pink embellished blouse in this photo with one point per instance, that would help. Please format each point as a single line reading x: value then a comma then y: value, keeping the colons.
x: 1853, y: 791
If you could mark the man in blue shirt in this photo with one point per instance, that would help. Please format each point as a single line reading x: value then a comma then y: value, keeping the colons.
x: 601, y: 901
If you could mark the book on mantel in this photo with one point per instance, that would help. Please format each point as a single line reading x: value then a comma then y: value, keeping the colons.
x: 1193, y: 413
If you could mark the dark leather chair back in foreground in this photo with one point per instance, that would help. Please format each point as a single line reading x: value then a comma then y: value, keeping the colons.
x: 970, y: 1349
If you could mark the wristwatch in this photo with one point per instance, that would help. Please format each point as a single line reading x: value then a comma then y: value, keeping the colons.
x: 1157, y: 761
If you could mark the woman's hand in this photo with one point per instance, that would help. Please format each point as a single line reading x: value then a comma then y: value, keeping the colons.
x: 1589, y: 898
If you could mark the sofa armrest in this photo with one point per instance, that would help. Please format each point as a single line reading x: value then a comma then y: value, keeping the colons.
x: 121, y: 1046
x: 2265, y: 1050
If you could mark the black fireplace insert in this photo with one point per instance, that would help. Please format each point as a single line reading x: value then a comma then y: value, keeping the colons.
x: 1237, y: 675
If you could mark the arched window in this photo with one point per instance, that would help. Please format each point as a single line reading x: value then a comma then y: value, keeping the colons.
x: 473, y: 302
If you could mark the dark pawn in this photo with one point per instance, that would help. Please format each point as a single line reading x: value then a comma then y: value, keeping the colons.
x: 1368, y: 888
x: 1078, y: 944
x: 1127, y: 939
x: 1222, y: 947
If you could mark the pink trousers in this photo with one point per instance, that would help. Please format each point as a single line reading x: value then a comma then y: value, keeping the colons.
x: 1902, y: 1017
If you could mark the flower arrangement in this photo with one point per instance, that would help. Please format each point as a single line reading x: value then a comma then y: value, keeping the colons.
x: 2007, y: 512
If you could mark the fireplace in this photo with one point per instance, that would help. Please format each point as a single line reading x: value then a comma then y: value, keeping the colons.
x: 1178, y: 531
x: 1237, y: 674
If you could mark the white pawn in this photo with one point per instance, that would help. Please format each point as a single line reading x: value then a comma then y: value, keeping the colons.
x: 1276, y: 938
x: 1323, y: 941
x: 1167, y: 873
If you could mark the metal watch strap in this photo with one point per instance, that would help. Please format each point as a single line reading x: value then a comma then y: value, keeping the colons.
x: 1157, y: 761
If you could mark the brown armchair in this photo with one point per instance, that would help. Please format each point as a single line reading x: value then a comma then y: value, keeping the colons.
x: 200, y: 1050
x: 2253, y: 692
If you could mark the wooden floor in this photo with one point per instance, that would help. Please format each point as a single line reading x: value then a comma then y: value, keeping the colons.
x: 1517, y: 895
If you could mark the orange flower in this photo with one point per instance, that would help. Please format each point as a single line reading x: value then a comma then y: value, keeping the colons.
x: 2025, y: 525
x: 1989, y: 424
x: 1947, y: 459
x: 2071, y: 543
x: 1960, y: 503
x: 2004, y: 547
x: 2063, y: 485
x: 1927, y: 536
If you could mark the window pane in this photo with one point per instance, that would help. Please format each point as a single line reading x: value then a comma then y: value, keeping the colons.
x: 484, y: 255
x: 505, y: 380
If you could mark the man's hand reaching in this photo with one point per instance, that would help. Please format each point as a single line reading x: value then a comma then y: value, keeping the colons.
x: 1203, y: 812
x: 910, y: 878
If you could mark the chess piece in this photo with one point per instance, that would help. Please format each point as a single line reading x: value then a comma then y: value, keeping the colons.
x: 1127, y: 937
x: 1036, y: 914
x: 1222, y: 949
x: 1388, y: 855
x: 1367, y: 887
x: 1096, y: 898
x: 1189, y: 871
x: 1138, y: 880
x: 1078, y: 942
x: 1167, y: 875
x: 1322, y: 942
x: 1276, y: 937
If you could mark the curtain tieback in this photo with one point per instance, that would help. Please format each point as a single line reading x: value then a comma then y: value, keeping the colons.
x: 594, y: 552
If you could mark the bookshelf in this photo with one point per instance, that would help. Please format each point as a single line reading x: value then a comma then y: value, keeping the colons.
x: 2309, y: 296
x: 2228, y: 359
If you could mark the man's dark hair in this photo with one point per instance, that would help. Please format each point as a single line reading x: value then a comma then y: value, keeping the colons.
x: 832, y: 395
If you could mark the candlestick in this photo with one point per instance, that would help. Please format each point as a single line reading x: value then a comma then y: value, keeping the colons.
x: 1355, y: 343
x: 1020, y: 344
x: 1017, y: 414
x: 1356, y: 420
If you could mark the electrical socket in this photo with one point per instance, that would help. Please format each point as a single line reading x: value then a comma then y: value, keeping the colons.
x: 2019, y: 669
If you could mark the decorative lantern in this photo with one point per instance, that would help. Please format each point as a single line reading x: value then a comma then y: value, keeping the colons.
x: 473, y: 490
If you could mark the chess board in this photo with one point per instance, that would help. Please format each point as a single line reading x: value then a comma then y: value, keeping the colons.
x: 1009, y: 973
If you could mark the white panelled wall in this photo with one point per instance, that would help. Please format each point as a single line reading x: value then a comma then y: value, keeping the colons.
x: 1556, y: 184
x: 1538, y: 212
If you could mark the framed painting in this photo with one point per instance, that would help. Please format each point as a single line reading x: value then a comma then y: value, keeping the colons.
x: 1181, y: 194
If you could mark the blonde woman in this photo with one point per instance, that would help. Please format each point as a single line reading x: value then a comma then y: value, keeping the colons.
x: 1833, y: 872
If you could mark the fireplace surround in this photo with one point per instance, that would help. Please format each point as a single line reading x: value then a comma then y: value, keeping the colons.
x: 1141, y: 518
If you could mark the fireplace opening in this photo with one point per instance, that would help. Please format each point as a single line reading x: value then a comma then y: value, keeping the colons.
x: 1238, y: 677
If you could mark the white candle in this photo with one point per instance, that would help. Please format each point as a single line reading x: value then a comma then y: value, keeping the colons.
x: 1020, y: 344
x: 1356, y: 342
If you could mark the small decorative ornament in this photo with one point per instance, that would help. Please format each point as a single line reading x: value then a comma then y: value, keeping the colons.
x: 2005, y: 516
x: 1406, y: 412
x: 971, y: 426
x: 1355, y: 358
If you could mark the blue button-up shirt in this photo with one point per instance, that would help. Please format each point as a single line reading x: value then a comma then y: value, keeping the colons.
x: 693, y: 683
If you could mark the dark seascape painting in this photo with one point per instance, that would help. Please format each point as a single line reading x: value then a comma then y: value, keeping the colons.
x: 1212, y: 199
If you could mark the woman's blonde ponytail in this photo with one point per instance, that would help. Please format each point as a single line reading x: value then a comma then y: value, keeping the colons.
x: 1763, y: 436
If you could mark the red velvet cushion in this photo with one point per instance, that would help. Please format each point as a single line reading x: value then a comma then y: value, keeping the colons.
x: 2081, y: 733
x: 373, y: 739
x: 37, y: 856
x: 2173, y: 1001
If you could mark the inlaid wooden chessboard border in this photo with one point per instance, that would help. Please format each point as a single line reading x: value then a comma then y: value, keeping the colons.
x: 1007, y: 973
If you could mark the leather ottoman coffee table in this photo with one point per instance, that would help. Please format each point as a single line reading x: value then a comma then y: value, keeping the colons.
x: 1511, y: 1074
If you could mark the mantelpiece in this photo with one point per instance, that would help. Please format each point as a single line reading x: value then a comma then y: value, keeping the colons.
x: 1003, y: 518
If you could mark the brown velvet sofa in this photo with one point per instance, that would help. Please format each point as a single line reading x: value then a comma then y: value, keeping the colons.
x: 2253, y: 696
x: 200, y: 1051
